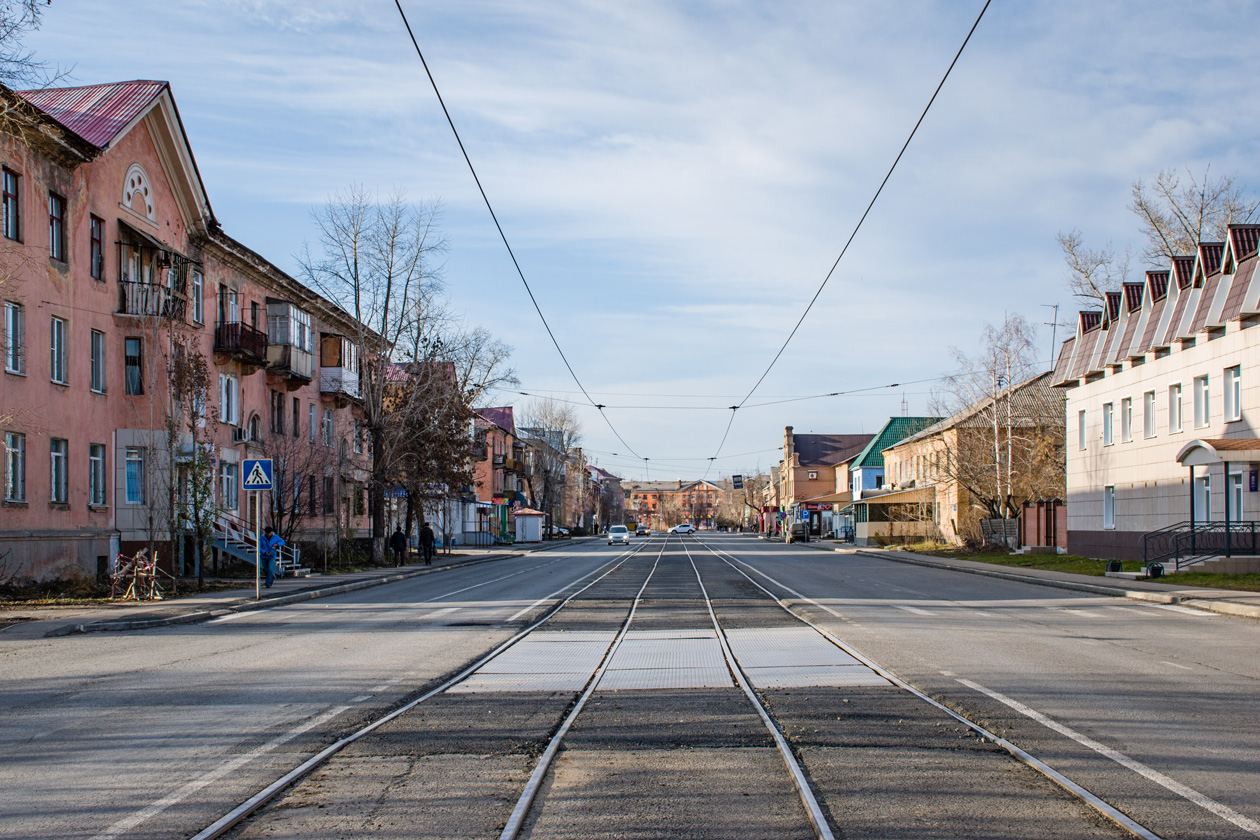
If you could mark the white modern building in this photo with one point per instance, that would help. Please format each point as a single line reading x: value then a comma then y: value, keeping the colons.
x: 1163, y: 406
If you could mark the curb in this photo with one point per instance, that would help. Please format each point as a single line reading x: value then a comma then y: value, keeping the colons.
x: 1221, y: 607
x: 296, y: 597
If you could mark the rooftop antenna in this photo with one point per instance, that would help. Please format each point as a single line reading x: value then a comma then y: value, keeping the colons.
x: 905, y: 406
x: 1053, y: 324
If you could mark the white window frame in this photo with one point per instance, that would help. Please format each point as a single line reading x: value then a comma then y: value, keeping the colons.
x: 311, y: 423
x: 1126, y: 420
x: 1108, y: 432
x: 1202, y: 402
x: 1081, y: 442
x: 1148, y: 415
x: 198, y: 297
x: 812, y: 474
x: 133, y: 475
x: 57, y: 370
x: 330, y: 427
x: 1109, y: 507
x: 1233, y: 393
x: 1174, y: 408
x: 58, y: 481
x: 1202, y: 498
x: 1236, y: 499
x: 229, y: 485
x: 96, y: 475
x: 229, y: 400
x: 14, y: 338
x: 96, y: 348
x: 14, y: 467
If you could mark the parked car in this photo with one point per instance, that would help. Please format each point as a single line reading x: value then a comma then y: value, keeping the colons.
x: 644, y: 531
x: 619, y: 534
x: 684, y: 528
x: 555, y: 532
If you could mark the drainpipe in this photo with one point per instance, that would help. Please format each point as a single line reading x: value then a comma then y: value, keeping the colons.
x: 1192, y: 510
x: 1229, y: 491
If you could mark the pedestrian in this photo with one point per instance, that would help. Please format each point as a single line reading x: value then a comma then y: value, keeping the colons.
x: 398, y: 542
x: 269, y: 548
x: 426, y: 543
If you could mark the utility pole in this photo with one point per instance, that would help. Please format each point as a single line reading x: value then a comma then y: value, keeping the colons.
x: 1053, y: 324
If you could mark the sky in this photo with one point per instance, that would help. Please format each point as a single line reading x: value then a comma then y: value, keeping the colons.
x: 676, y: 179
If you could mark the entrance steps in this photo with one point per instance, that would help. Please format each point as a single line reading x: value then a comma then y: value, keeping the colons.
x: 1247, y: 564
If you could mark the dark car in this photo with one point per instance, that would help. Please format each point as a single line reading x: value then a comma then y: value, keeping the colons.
x: 799, y: 532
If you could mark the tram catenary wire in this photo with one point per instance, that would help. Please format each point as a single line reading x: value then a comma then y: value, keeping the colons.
x: 849, y: 241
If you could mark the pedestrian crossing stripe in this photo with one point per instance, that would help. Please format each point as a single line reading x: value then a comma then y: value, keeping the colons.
x: 259, y: 477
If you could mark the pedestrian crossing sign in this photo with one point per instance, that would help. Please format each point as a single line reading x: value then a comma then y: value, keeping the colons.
x: 257, y: 474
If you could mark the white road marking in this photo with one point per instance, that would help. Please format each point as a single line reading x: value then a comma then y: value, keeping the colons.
x: 1084, y: 613
x: 914, y: 610
x: 436, y: 613
x: 948, y: 674
x: 1203, y: 801
x: 1175, y: 665
x: 237, y: 615
x: 126, y: 824
x: 360, y: 698
x: 1184, y: 610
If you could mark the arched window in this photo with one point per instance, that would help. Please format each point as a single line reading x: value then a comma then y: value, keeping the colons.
x: 253, y: 428
x: 138, y: 194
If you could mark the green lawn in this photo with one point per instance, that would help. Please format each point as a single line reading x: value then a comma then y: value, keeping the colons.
x: 1089, y: 566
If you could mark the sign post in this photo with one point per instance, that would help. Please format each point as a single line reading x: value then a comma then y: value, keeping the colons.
x: 257, y: 472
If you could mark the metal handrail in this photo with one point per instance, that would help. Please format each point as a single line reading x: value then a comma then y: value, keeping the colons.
x: 1184, y: 543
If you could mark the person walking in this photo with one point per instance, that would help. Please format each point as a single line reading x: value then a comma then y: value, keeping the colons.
x: 269, y: 548
x: 426, y: 544
x: 398, y: 542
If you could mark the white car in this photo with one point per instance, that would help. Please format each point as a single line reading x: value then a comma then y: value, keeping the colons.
x: 684, y: 528
x: 618, y: 534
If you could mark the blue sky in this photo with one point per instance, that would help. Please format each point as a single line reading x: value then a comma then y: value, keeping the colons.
x: 676, y: 178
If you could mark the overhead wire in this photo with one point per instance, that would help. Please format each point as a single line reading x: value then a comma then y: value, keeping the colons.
x: 735, y: 408
x: 520, y: 273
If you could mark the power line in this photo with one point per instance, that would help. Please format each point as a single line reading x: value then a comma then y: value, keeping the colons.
x: 865, y: 213
x: 520, y: 273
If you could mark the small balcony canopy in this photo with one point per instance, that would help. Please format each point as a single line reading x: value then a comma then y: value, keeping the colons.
x: 1201, y: 453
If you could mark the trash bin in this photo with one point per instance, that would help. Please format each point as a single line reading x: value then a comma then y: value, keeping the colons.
x: 1155, y: 570
x: 1115, y: 566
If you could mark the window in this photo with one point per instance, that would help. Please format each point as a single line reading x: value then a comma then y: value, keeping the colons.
x: 310, y: 422
x: 12, y: 205
x: 1080, y: 430
x: 57, y: 342
x: 1109, y: 507
x: 133, y: 379
x: 329, y: 497
x: 358, y: 438
x: 1202, y: 409
x: 1203, y: 498
x: 96, y: 474
x: 277, y: 413
x: 813, y: 474
x: 329, y: 427
x: 253, y: 430
x: 227, y: 485
x: 1108, y: 411
x: 14, y: 338
x: 14, y: 467
x: 253, y: 314
x: 229, y: 308
x: 1174, y: 408
x: 56, y: 227
x: 1148, y: 414
x: 297, y: 415
x: 1126, y: 419
x: 198, y: 295
x: 133, y: 458
x: 229, y: 411
x: 98, y: 361
x: 58, y: 449
x: 1235, y: 497
x: 96, y: 252
x: 1233, y: 393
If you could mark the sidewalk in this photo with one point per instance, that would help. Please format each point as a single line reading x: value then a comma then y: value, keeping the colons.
x: 1224, y: 601
x: 140, y: 615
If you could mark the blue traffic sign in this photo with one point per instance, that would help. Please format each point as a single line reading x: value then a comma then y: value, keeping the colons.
x: 257, y: 474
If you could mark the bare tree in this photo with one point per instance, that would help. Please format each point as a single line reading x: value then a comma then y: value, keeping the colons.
x: 19, y: 68
x: 1176, y: 216
x: 1092, y: 272
x: 553, y: 429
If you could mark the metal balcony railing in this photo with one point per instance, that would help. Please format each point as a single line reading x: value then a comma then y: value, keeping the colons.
x: 1183, y: 543
x: 240, y: 339
x: 152, y: 300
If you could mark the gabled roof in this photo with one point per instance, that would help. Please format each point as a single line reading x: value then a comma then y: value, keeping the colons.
x: 1244, y: 239
x: 500, y: 416
x: 895, y: 430
x: 1133, y: 296
x: 97, y: 113
x: 1113, y: 305
x: 1183, y: 267
x: 1090, y: 320
x: 1158, y: 283
x: 827, y: 450
x: 1032, y: 402
x: 1210, y: 257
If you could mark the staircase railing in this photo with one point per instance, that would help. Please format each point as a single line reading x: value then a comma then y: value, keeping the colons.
x: 1184, y: 544
x: 231, y: 527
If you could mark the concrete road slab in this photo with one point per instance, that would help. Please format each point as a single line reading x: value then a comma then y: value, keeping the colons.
x: 668, y: 718
x: 696, y: 794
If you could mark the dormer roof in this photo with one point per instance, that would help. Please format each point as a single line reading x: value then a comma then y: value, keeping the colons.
x: 1133, y: 296
x: 1157, y: 283
x: 1208, y: 260
x: 1089, y: 320
x: 1183, y: 268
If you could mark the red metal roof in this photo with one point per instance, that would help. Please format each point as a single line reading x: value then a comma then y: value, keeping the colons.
x: 1211, y: 253
x: 1244, y: 239
x: 1133, y: 296
x: 1090, y: 319
x: 1158, y: 281
x: 1184, y: 269
x: 96, y: 112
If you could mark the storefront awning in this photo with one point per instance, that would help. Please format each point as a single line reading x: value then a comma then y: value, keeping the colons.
x: 1200, y: 453
x: 898, y: 497
x: 828, y: 499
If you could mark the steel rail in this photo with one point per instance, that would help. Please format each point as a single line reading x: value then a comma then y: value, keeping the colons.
x: 233, y: 818
x: 517, y: 818
x: 817, y: 818
x: 1093, y: 800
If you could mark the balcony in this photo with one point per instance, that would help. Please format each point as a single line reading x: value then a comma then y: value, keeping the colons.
x: 499, y: 460
x: 342, y: 384
x: 289, y: 365
x: 242, y: 342
x: 150, y: 300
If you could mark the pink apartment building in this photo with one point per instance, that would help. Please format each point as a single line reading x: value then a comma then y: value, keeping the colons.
x: 113, y: 268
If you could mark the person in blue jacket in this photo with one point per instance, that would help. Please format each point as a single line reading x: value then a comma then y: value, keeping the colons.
x: 269, y: 548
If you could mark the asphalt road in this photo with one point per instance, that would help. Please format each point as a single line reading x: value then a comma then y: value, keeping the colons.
x: 158, y: 733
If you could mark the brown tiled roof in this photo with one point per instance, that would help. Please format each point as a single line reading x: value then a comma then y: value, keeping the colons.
x: 1238, y: 292
x: 1152, y: 323
x: 1133, y: 296
x: 1158, y: 283
x: 1090, y: 319
x: 1113, y: 305
x: 1233, y: 444
x: 1244, y: 239
x: 1206, y: 298
x: 1064, y: 360
x: 1183, y: 267
x: 828, y: 450
x: 1210, y: 256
